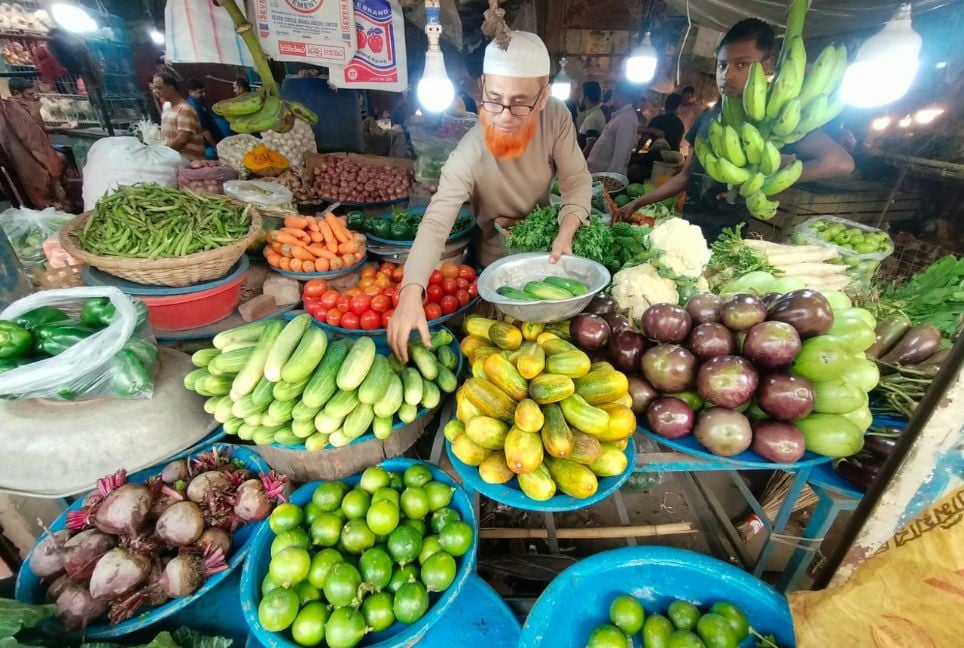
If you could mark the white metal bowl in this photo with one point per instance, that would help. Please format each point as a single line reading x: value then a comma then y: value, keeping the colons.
x: 519, y: 269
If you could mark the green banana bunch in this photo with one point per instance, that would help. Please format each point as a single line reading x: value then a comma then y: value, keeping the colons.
x: 732, y: 174
x: 760, y: 207
x: 302, y: 112
x: 245, y: 104
x: 732, y: 111
x: 270, y: 114
x: 732, y: 149
x: 813, y: 116
x: 755, y: 94
x: 796, y: 13
x: 770, y: 159
x: 753, y: 185
x: 753, y: 143
x: 817, y: 82
x: 782, y: 179
x: 716, y: 138
x: 789, y: 118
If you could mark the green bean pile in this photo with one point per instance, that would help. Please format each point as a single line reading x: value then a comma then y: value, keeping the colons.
x: 147, y: 221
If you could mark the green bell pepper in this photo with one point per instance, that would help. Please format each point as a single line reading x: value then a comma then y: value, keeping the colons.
x: 15, y: 340
x: 40, y: 316
x: 380, y: 227
x: 144, y: 350
x: 357, y: 221
x: 401, y: 231
x: 12, y: 363
x: 98, y: 312
x: 129, y: 376
x: 54, y: 339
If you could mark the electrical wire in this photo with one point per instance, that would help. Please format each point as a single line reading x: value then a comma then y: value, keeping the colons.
x: 679, y: 57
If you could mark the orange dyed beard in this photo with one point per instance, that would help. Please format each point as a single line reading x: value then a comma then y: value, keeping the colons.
x: 507, y: 146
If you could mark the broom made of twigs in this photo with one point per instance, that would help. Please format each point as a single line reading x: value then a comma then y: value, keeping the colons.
x: 773, y: 496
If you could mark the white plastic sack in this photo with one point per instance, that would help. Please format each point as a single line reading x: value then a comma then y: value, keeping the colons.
x: 115, y: 161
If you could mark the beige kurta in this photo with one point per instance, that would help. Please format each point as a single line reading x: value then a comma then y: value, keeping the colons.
x: 502, y: 188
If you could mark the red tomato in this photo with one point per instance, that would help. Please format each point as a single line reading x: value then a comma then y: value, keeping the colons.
x: 311, y: 301
x: 473, y: 290
x: 351, y: 292
x: 330, y: 298
x: 449, y: 270
x: 435, y: 278
x: 316, y: 288
x: 449, y: 286
x: 432, y: 311
x: 381, y: 303
x: 344, y: 303
x: 371, y: 320
x: 317, y: 312
x: 390, y: 292
x: 365, y: 282
x: 449, y: 304
x: 383, y: 280
x: 360, y: 304
x: 387, y: 315
x: 398, y: 275
x: 368, y: 271
x: 333, y: 317
x: 466, y: 272
x: 462, y: 283
x: 395, y: 300
x: 434, y: 293
x: 387, y: 268
x: 464, y: 297
x: 350, y: 320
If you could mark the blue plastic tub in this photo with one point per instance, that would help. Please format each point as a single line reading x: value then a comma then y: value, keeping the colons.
x: 30, y: 589
x: 511, y: 495
x: 578, y: 599
x: 399, y: 634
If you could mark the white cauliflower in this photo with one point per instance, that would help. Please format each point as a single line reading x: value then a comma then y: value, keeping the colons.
x: 681, y: 246
x: 638, y: 287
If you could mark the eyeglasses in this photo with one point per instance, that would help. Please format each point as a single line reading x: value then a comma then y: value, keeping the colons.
x: 517, y: 110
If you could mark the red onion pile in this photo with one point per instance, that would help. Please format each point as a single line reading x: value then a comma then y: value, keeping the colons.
x: 339, y: 178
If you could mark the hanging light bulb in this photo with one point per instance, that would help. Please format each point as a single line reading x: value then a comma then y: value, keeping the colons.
x: 880, y: 123
x: 156, y: 36
x: 435, y: 90
x: 73, y: 18
x: 905, y: 122
x: 641, y: 64
x: 927, y: 115
x: 885, y: 65
x: 562, y: 84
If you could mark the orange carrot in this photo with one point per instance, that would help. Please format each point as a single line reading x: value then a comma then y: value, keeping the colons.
x: 296, y: 222
x: 316, y: 237
x: 348, y: 259
x: 329, y: 236
x: 285, y: 263
x: 340, y: 232
x: 321, y: 252
x: 313, y: 224
x: 296, y: 265
x: 273, y: 259
x: 280, y: 237
x: 335, y: 264
x: 302, y: 254
x: 277, y: 247
x: 308, y: 266
x: 297, y: 233
x: 321, y: 265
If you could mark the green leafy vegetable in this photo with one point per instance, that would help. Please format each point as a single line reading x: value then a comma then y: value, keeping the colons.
x: 14, y: 616
x: 632, y: 245
x: 539, y: 229
x: 934, y: 296
x: 180, y: 638
x: 732, y: 258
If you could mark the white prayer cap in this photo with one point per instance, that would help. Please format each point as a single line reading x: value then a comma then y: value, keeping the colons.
x: 525, y: 57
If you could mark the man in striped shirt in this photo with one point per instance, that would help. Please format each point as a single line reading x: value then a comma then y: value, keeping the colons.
x: 180, y: 125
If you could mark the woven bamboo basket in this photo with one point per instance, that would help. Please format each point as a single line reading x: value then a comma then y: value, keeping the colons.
x: 175, y: 271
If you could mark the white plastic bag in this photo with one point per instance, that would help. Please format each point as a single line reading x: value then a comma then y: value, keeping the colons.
x: 259, y: 193
x: 87, y: 369
x: 115, y: 161
x: 27, y: 230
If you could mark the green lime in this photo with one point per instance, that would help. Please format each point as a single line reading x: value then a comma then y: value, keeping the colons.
x: 456, y: 538
x: 607, y: 636
x: 312, y: 511
x: 733, y: 614
x: 439, y: 495
x: 657, y: 630
x: 345, y: 628
x: 290, y: 538
x: 396, y: 481
x: 387, y: 493
x: 326, y: 530
x: 418, y: 525
x: 443, y: 516
x: 417, y: 475
x: 438, y: 572
x: 373, y: 478
x: 376, y: 566
x: 341, y: 586
x: 627, y: 614
x: 328, y: 496
x: 357, y: 537
x: 430, y: 545
x: 404, y: 544
x: 268, y: 584
x: 411, y: 602
x: 278, y: 609
x: 414, y: 503
x: 321, y: 564
x: 307, y: 592
x: 290, y: 566
x: 285, y: 517
x: 308, y: 628
x: 685, y: 639
x: 683, y: 615
x: 338, y: 513
x: 382, y: 517
x: 378, y: 611
x: 715, y: 631
x: 402, y: 575
x: 355, y: 504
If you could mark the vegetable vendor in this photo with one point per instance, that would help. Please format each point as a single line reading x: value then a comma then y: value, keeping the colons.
x: 748, y: 41
x: 504, y: 166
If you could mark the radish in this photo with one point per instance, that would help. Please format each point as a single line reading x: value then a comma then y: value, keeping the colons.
x: 207, y: 483
x: 76, y: 607
x: 217, y: 538
x: 82, y: 552
x: 117, y: 573
x: 177, y: 470
x: 181, y: 524
x: 47, y: 558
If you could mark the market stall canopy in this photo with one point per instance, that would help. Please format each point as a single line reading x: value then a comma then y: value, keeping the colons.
x: 826, y: 17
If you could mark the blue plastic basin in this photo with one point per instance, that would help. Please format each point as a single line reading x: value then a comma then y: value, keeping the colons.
x: 578, y: 599
x: 30, y: 589
x: 399, y: 634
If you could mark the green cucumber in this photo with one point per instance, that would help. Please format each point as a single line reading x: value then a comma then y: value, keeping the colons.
x: 303, y: 429
x: 230, y: 363
x: 358, y: 421
x: 232, y: 425
x: 407, y: 413
x: 412, y: 382
x: 286, y: 391
x: 447, y: 357
x: 281, y: 410
x: 246, y: 333
x: 446, y: 380
x: 321, y: 385
x: 326, y: 424
x: 302, y: 412
x: 255, y: 419
x: 424, y: 360
x: 192, y: 378
x: 253, y: 371
x: 211, y: 385
x: 569, y: 285
x: 306, y: 357
x: 516, y: 295
x: 376, y: 382
x: 356, y: 366
x: 391, y: 400
x: 544, y: 291
x: 431, y: 396
x: 442, y: 337
x: 284, y: 346
x: 316, y: 441
x: 246, y: 432
x: 269, y: 421
x: 263, y: 394
x: 382, y: 427
x: 264, y: 435
x: 222, y: 413
x: 203, y: 357
x: 395, y: 364
x: 211, y: 403
x: 238, y: 345
x: 337, y: 439
x: 286, y: 437
x: 245, y: 407
x: 342, y: 403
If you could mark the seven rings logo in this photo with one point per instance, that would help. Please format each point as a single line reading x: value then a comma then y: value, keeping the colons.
x: 305, y: 6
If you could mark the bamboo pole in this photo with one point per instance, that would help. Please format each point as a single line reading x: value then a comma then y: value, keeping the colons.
x: 640, y: 531
x: 244, y: 29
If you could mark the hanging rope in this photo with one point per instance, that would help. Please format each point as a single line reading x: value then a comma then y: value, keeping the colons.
x: 494, y: 25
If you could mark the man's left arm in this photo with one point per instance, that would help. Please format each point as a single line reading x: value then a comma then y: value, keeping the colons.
x: 575, y: 185
x: 822, y: 157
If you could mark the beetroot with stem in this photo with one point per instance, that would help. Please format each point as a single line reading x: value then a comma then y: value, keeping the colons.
x: 165, y: 495
x: 212, y: 481
x: 254, y: 498
x: 104, y: 487
x: 181, y: 524
x: 76, y: 607
x: 213, y: 459
x: 57, y: 588
x: 188, y: 570
x: 124, y: 511
x: 82, y: 552
x: 47, y: 558
x: 217, y: 538
x: 175, y: 471
x: 118, y: 573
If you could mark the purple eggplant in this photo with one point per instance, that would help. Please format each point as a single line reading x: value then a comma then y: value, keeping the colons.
x: 917, y: 344
x: 805, y: 310
x: 591, y: 332
x: 704, y: 308
x: 861, y: 470
x: 667, y: 323
x: 626, y: 348
x: 742, y: 312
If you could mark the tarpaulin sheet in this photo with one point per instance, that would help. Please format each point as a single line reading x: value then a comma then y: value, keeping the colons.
x: 196, y: 31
